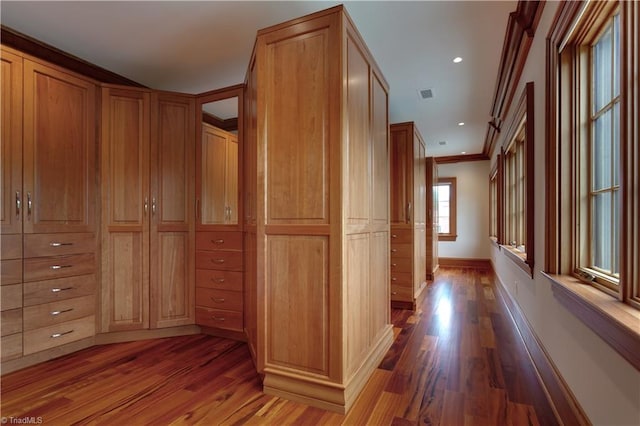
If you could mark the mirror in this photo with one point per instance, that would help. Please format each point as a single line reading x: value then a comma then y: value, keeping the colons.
x: 218, y: 163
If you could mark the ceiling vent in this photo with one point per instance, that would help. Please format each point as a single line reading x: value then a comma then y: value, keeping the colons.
x: 425, y: 93
x: 442, y: 143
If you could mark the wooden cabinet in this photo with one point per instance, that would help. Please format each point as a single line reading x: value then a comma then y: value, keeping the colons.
x: 408, y: 215
x: 431, y: 257
x: 147, y: 209
x: 219, y: 176
x: 48, y: 203
x: 318, y: 272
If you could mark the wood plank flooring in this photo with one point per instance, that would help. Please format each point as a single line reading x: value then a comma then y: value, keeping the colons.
x: 456, y: 360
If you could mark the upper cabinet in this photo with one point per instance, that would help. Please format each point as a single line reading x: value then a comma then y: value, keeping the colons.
x: 218, y: 160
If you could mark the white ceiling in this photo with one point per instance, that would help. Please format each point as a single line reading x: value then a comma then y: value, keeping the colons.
x: 194, y: 47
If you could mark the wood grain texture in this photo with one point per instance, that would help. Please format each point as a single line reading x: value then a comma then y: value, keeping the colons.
x: 439, y: 371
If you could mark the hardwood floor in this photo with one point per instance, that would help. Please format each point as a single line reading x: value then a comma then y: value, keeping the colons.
x: 456, y: 360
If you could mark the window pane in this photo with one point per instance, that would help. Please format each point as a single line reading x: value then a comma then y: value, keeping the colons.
x: 601, y: 230
x: 616, y: 233
x: 616, y: 144
x: 602, y: 54
x: 616, y: 55
x: 601, y: 151
x: 443, y: 209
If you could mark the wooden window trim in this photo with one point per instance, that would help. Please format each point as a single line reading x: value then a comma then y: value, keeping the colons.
x: 614, y: 318
x: 523, y: 113
x: 453, y: 212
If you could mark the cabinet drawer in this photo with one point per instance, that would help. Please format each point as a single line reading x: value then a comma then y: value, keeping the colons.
x: 401, y: 250
x: 11, y: 271
x: 219, y: 319
x: 39, y: 245
x: 11, y: 346
x: 52, y: 313
x: 401, y: 278
x: 40, y: 292
x: 42, y: 268
x: 10, y: 297
x: 401, y: 293
x: 219, y: 299
x: 11, y: 322
x: 219, y: 240
x: 48, y: 337
x: 11, y: 246
x: 401, y: 265
x: 219, y: 259
x: 223, y: 280
x: 401, y: 236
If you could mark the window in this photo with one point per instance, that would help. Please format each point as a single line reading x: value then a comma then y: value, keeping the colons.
x: 592, y: 168
x: 495, y: 202
x: 446, y: 194
x: 514, y: 221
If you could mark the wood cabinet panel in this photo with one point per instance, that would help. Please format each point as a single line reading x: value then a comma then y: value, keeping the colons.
x: 39, y: 245
x: 10, y: 297
x: 11, y: 321
x: 401, y: 250
x: 45, y: 268
x: 11, y: 271
x: 48, y: 337
x: 401, y: 177
x: 358, y: 179
x: 59, y: 150
x: 402, y: 264
x: 11, y: 246
x: 223, y: 280
x: 380, y: 308
x: 229, y: 320
x: 298, y: 278
x: 219, y: 299
x: 401, y: 236
x: 11, y: 149
x: 232, y: 194
x: 53, y: 313
x: 219, y: 259
x: 39, y: 292
x: 219, y: 240
x: 357, y: 315
x: 213, y: 175
x: 380, y: 153
x: 401, y: 293
x: 11, y: 346
x: 298, y: 162
x: 401, y: 278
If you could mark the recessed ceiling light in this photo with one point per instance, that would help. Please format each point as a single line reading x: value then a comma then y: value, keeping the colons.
x: 464, y: 152
x: 461, y: 123
x: 442, y: 143
x: 457, y: 60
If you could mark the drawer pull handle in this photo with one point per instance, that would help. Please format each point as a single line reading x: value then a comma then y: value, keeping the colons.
x: 217, y: 241
x: 217, y: 318
x: 54, y: 313
x: 393, y: 265
x: 217, y: 260
x: 218, y: 299
x: 217, y: 280
x: 394, y: 236
x: 394, y: 279
x: 56, y: 335
x: 56, y: 267
x: 58, y: 290
x: 57, y: 244
x: 394, y: 293
x: 18, y: 203
x: 394, y: 250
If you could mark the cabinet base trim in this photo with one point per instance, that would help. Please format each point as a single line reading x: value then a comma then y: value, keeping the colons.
x: 129, y: 336
x: 327, y: 395
x: 463, y: 262
x: 46, y: 355
x: 227, y: 334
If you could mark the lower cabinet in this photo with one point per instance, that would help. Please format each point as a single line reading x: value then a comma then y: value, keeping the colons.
x: 219, y: 289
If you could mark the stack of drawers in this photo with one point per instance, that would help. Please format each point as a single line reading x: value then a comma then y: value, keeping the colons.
x: 59, y: 289
x: 11, y: 296
x: 402, y: 265
x: 219, y: 290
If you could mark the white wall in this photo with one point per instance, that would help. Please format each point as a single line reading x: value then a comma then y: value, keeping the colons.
x: 472, y: 210
x: 605, y: 384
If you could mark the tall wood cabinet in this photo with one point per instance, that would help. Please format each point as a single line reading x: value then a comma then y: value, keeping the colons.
x: 408, y: 215
x: 48, y: 205
x: 317, y: 150
x: 148, y: 161
x: 432, y: 218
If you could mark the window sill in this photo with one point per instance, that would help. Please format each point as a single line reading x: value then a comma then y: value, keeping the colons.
x: 519, y: 258
x: 447, y: 237
x: 615, y: 322
x: 494, y: 242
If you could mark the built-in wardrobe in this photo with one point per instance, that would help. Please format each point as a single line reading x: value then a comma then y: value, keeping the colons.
x: 317, y: 219
x: 432, y: 227
x: 408, y: 215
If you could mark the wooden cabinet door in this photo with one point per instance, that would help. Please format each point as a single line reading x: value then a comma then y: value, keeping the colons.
x: 213, y: 210
x: 125, y: 209
x: 59, y: 151
x: 172, y: 237
x: 401, y: 174
x: 11, y: 161
x: 231, y: 180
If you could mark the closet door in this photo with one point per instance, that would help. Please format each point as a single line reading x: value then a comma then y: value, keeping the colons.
x: 125, y: 209
x: 59, y: 146
x: 172, y: 274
